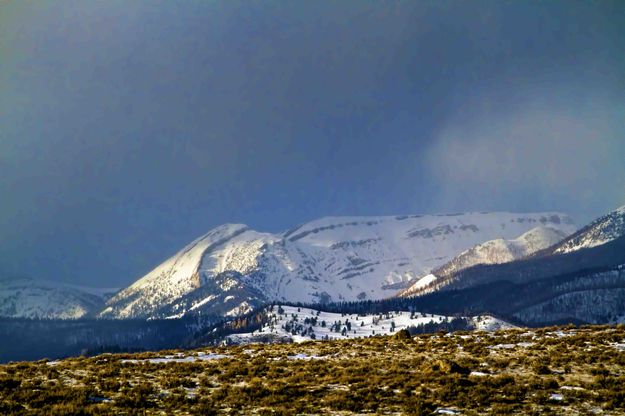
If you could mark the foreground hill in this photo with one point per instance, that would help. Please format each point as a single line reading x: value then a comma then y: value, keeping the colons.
x: 563, y: 371
x: 234, y: 269
x: 284, y: 323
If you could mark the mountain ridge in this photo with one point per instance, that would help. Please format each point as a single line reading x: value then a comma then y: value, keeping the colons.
x: 325, y: 260
x: 490, y: 252
x: 597, y: 244
x: 600, y: 231
x: 41, y: 299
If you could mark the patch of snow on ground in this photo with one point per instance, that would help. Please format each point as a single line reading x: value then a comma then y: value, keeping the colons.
x: 179, y: 358
x: 619, y: 345
x: 304, y: 357
x: 511, y: 346
x: 445, y: 411
x: 561, y: 334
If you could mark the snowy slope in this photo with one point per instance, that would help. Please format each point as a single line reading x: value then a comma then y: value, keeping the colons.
x: 491, y: 252
x: 181, y: 274
x: 29, y: 298
x: 304, y: 324
x: 601, y: 231
x: 330, y: 259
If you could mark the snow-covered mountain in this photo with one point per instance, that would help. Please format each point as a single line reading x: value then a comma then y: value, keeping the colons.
x: 233, y: 268
x: 29, y: 298
x: 601, y: 231
x: 491, y: 252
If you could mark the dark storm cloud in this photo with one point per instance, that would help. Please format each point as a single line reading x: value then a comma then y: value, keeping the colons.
x: 558, y: 147
x: 129, y: 128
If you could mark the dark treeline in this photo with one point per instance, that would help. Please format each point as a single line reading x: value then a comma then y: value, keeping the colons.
x: 214, y: 334
x: 453, y: 325
x: 32, y: 339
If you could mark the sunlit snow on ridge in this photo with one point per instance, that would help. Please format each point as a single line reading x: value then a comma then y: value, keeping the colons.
x: 330, y: 259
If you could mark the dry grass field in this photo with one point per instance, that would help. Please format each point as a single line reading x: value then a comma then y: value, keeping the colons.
x: 563, y: 371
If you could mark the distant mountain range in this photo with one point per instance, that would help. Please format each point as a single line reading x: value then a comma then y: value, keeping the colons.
x: 233, y: 269
x: 528, y: 268
x: 30, y: 298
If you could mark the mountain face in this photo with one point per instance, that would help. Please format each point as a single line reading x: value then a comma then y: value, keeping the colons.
x: 598, y: 246
x: 29, y: 298
x: 233, y: 268
x: 491, y: 252
x: 601, y: 231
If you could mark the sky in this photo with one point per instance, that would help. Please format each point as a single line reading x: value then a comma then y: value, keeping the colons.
x: 129, y: 128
